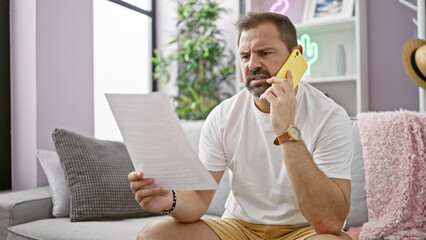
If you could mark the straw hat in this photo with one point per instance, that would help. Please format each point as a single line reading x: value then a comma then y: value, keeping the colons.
x: 414, y: 58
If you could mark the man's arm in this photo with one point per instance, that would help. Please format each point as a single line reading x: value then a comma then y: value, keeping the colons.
x: 190, y: 205
x: 323, y: 201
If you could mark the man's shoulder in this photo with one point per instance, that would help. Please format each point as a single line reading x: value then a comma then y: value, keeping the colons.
x: 316, y: 100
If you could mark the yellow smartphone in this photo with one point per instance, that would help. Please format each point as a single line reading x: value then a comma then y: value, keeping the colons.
x: 297, y: 64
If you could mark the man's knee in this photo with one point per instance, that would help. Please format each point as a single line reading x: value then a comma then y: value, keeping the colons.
x: 156, y: 229
x: 341, y: 236
x: 169, y: 228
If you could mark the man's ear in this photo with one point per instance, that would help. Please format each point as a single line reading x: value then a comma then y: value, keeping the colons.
x: 299, y: 47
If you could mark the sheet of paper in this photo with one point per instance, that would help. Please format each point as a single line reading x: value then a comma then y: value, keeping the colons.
x: 156, y: 142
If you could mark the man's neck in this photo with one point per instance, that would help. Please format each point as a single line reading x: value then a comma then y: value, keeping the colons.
x: 263, y: 106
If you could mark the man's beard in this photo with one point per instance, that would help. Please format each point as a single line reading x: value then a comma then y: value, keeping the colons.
x: 259, y: 88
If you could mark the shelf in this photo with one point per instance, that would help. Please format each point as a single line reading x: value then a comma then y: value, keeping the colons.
x: 330, y: 79
x: 327, y: 25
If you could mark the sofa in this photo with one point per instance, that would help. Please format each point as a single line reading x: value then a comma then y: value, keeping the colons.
x: 27, y: 214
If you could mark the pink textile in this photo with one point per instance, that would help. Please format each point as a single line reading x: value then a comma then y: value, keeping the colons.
x: 354, y: 232
x: 394, y: 154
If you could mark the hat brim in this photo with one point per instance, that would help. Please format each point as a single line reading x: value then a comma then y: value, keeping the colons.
x: 410, y: 46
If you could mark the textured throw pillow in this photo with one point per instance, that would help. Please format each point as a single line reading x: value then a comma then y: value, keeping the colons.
x: 96, y: 175
x: 49, y: 161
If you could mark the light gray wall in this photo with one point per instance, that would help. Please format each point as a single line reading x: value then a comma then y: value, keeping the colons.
x: 23, y: 93
x: 52, y: 79
x: 389, y: 27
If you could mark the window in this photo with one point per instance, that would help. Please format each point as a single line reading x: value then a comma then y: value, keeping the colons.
x: 123, y: 43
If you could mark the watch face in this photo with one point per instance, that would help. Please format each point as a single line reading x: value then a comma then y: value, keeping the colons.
x: 295, y: 133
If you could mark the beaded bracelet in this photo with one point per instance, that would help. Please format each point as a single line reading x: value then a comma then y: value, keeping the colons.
x: 173, y: 205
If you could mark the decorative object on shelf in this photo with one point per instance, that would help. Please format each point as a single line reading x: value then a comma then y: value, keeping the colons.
x: 293, y: 9
x: 340, y: 60
x: 310, y: 51
x: 283, y: 4
x: 205, y: 69
x: 328, y: 9
x: 414, y: 58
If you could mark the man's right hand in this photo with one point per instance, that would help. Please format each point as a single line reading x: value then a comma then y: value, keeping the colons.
x: 150, y: 196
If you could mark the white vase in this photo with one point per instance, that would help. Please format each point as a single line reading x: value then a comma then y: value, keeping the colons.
x: 340, y: 60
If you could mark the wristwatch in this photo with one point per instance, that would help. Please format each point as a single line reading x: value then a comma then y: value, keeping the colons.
x: 291, y: 134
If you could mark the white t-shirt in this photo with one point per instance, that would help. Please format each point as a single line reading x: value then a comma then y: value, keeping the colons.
x: 238, y: 135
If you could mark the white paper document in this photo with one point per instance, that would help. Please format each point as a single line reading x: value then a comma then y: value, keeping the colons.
x: 156, y: 142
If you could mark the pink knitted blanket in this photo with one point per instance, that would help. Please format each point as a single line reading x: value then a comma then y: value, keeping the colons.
x: 394, y: 153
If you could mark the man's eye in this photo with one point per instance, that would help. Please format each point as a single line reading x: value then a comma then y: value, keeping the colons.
x: 266, y: 53
x: 244, y: 56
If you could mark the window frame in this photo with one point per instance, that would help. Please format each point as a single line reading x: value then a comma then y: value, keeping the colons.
x: 153, y: 29
x: 5, y: 128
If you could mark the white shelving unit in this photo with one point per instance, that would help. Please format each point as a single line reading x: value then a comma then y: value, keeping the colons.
x: 351, y: 89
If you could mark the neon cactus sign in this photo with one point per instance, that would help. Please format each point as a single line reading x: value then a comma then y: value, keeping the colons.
x: 310, y: 49
x: 277, y: 4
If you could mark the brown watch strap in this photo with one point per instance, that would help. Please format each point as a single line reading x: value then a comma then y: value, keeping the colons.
x: 282, y: 138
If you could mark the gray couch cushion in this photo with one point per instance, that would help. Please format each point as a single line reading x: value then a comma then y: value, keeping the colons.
x: 358, y: 211
x: 96, y: 175
x: 217, y: 206
x: 64, y: 229
x: 24, y: 206
x: 126, y: 229
x: 192, y: 131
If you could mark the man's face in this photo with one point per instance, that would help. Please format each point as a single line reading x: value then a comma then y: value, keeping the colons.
x: 262, y: 53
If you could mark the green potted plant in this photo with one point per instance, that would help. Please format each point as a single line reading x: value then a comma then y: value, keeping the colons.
x: 205, y: 71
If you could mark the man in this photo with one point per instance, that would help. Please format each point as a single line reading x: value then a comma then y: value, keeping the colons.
x: 298, y: 189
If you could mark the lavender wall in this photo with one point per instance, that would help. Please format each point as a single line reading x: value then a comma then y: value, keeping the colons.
x: 52, y: 79
x: 389, y: 27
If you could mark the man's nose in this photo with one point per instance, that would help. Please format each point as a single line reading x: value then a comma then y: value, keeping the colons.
x: 254, y: 63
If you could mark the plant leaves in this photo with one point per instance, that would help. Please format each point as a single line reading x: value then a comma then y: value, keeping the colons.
x: 205, y: 68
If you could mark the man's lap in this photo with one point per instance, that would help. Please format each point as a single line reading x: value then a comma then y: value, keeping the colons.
x: 227, y: 228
